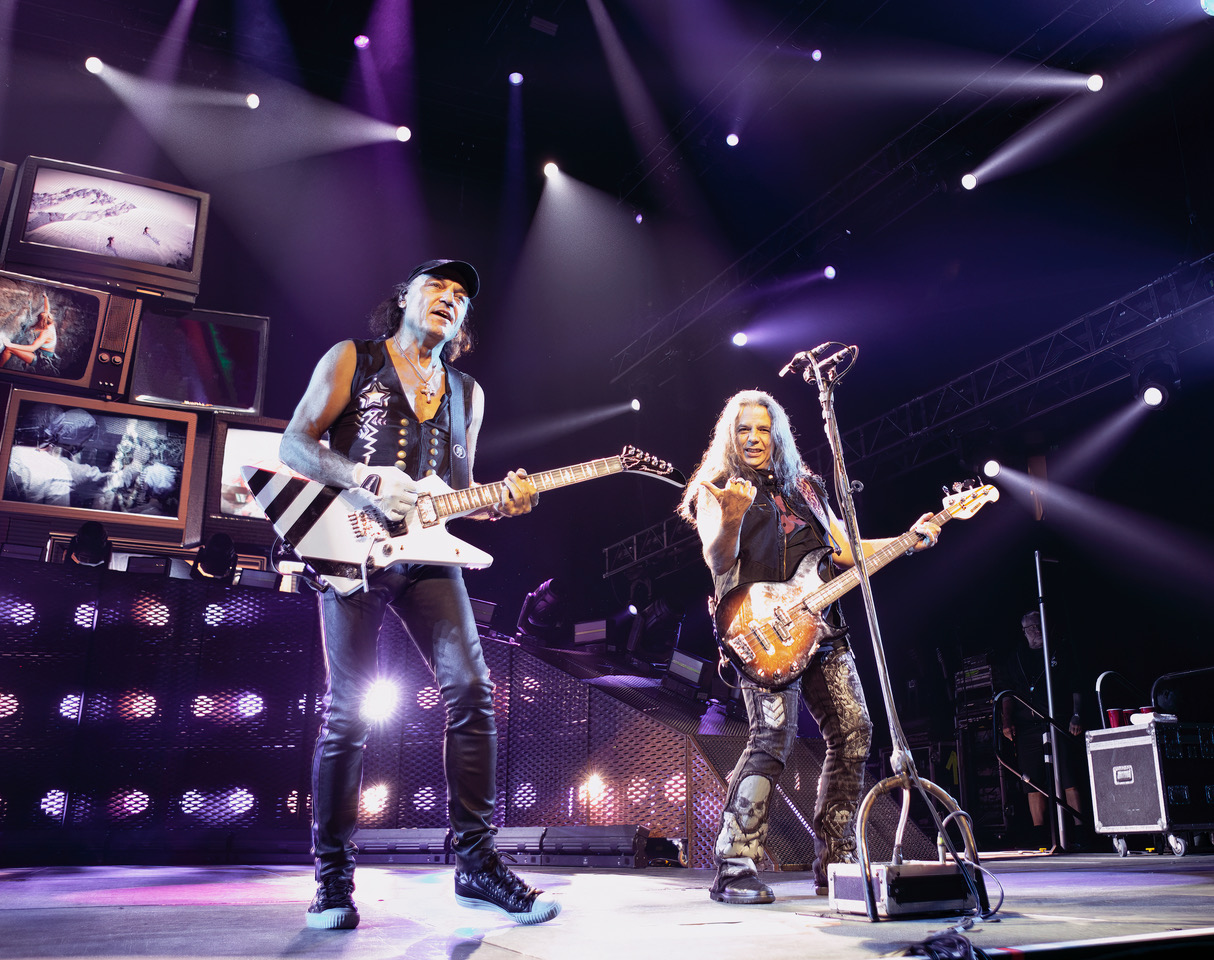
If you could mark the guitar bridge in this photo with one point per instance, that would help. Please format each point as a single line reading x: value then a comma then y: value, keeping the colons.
x: 742, y: 649
x: 362, y: 525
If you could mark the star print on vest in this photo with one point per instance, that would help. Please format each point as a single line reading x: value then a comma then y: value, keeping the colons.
x: 372, y: 415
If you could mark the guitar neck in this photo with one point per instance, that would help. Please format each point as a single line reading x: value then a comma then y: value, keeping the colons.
x: 833, y: 589
x: 460, y: 502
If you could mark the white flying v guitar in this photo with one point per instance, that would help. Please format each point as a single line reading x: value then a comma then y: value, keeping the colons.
x: 344, y: 537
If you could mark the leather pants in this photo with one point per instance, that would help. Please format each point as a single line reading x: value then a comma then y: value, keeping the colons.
x: 433, y: 605
x: 832, y: 691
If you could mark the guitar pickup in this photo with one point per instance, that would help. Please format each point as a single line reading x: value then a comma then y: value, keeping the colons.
x: 780, y: 624
x: 426, y: 512
x: 756, y: 630
x: 742, y: 649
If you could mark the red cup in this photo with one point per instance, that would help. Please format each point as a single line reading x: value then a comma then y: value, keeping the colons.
x: 1114, y: 714
x: 1125, y: 716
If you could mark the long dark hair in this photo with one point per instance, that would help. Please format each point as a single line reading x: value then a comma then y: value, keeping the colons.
x: 386, y: 318
x: 721, y: 459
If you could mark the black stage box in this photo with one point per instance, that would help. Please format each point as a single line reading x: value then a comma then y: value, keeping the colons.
x: 595, y: 846
x: 1152, y: 778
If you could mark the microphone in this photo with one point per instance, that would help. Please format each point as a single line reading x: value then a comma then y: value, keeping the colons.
x: 847, y: 353
x: 799, y: 362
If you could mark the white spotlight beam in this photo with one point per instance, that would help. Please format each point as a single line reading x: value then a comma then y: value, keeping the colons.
x: 504, y: 441
x: 206, y: 138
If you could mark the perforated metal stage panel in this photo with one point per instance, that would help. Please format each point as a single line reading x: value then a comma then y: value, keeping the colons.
x: 187, y: 711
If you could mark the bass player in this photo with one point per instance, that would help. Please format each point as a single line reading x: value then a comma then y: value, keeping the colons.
x: 395, y: 410
x: 759, y: 511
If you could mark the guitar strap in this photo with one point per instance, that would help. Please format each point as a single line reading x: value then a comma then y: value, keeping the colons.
x: 457, y: 414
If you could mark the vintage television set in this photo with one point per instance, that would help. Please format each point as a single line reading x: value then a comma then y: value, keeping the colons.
x: 230, y: 507
x: 69, y: 459
x: 97, y: 227
x: 200, y: 360
x: 8, y: 176
x: 64, y: 337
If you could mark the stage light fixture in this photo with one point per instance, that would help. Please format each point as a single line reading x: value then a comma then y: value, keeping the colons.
x: 551, y: 169
x: 375, y: 799
x: 1095, y: 83
x: 216, y: 560
x: 9, y: 705
x: 739, y: 339
x: 249, y: 704
x: 1207, y: 7
x: 542, y: 618
x: 639, y: 219
x: 636, y: 405
x: 732, y: 139
x: 240, y: 801
x: 69, y: 706
x: 93, y: 65
x: 1155, y: 378
x: 54, y: 803
x: 362, y: 41
x: 991, y: 468
x: 525, y: 795
x: 403, y: 133
x: 380, y: 701
x: 1154, y: 396
x: 969, y: 181
x: 428, y: 698
x: 515, y: 78
x: 816, y: 56
x: 90, y: 547
x: 829, y: 272
x: 426, y: 798
x: 252, y: 101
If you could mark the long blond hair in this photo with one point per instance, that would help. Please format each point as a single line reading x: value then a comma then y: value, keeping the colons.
x: 721, y: 459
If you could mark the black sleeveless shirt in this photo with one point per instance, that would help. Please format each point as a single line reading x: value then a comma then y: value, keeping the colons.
x: 379, y: 428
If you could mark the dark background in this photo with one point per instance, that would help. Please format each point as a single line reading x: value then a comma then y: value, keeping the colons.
x: 853, y: 161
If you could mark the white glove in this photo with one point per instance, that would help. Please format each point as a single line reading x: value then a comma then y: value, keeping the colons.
x: 394, y: 490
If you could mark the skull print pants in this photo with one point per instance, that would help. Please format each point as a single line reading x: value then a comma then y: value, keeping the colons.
x: 832, y: 691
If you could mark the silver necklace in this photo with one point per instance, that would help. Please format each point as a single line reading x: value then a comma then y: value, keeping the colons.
x: 427, y: 382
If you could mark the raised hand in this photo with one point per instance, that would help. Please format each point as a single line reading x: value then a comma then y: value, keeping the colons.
x: 734, y: 498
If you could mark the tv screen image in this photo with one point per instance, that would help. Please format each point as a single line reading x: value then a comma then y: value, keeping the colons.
x: 80, y: 458
x: 74, y: 210
x: 47, y: 330
x: 101, y: 227
x: 243, y: 445
x: 201, y: 359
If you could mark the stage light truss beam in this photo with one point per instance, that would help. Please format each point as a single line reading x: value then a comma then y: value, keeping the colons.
x: 669, y: 538
x: 903, y: 167
x: 1089, y: 353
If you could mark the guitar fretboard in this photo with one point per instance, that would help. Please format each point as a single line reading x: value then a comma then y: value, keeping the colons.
x: 459, y: 502
x: 833, y: 589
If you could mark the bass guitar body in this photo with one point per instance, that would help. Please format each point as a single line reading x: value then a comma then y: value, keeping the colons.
x: 767, y: 630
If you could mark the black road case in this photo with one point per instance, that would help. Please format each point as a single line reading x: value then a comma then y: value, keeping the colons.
x: 1154, y: 778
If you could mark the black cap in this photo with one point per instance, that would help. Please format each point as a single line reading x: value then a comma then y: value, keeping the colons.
x: 459, y: 270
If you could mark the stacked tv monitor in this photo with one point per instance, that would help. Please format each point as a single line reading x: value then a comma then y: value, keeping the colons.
x: 112, y: 380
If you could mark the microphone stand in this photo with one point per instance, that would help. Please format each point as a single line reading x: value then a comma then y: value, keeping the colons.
x: 825, y: 374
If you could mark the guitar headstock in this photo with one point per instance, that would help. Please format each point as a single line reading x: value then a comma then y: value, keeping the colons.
x: 968, y: 497
x: 638, y: 461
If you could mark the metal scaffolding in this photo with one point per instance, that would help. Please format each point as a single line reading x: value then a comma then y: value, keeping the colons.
x: 1174, y: 313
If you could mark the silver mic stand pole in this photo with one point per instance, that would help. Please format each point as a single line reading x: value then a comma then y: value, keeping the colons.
x: 826, y: 374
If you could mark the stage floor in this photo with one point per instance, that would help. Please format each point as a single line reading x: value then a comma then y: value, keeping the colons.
x: 409, y: 911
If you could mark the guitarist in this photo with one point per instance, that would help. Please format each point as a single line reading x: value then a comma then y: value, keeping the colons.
x: 393, y: 410
x: 759, y: 511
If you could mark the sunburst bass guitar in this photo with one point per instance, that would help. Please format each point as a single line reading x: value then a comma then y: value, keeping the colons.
x: 770, y: 631
x: 343, y: 537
